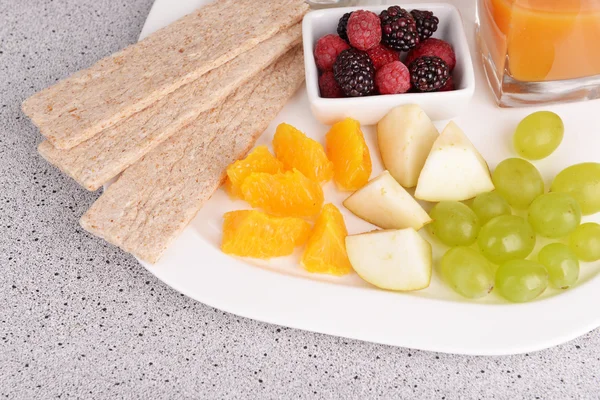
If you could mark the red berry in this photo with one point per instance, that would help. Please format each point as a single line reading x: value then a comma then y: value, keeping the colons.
x: 329, y: 87
x: 393, y: 78
x: 364, y: 30
x: 449, y: 86
x: 327, y: 50
x: 381, y: 55
x: 433, y: 48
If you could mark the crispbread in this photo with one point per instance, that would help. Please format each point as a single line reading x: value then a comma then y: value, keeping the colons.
x: 156, y: 198
x: 77, y: 108
x: 102, y: 157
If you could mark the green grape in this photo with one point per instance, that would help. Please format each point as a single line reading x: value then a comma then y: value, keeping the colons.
x: 505, y: 238
x: 468, y: 272
x: 518, y: 181
x: 561, y: 263
x: 554, y: 215
x: 585, y: 242
x: 489, y: 205
x: 454, y: 224
x: 582, y: 181
x: 521, y: 280
x: 538, y: 135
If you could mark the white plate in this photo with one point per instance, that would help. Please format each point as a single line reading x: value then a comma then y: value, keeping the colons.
x: 435, y: 319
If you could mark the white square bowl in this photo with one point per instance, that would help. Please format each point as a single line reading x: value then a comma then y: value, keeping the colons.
x: 370, y: 109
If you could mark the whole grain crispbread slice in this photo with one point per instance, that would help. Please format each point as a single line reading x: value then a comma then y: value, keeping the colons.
x: 157, y: 197
x: 102, y: 157
x: 118, y: 86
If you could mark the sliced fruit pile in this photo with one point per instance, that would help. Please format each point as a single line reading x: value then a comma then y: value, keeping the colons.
x: 287, y: 187
x: 444, y: 168
x: 453, y: 171
x: 447, y: 169
x: 490, y: 244
x: 364, y: 58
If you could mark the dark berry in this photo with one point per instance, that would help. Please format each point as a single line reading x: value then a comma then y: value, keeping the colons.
x: 393, y: 78
x: 327, y: 50
x: 328, y: 86
x: 364, y: 30
x: 433, y: 47
x: 381, y: 55
x: 449, y: 86
x: 354, y: 72
x: 427, y: 23
x: 428, y: 74
x: 341, y: 29
x: 399, y: 29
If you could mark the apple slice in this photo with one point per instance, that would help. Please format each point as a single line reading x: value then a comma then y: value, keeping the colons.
x: 454, y: 169
x: 392, y: 259
x: 383, y: 202
x: 405, y: 137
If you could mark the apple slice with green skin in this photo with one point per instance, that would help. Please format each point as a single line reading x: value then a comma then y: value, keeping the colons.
x: 405, y: 136
x: 454, y: 169
x: 383, y: 202
x: 391, y: 259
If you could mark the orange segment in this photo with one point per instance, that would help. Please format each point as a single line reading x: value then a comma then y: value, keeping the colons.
x: 326, y: 248
x: 251, y: 233
x: 259, y: 160
x: 347, y: 149
x: 287, y: 194
x: 296, y: 150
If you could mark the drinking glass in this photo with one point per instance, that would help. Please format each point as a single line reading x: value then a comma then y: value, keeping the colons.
x: 540, y: 51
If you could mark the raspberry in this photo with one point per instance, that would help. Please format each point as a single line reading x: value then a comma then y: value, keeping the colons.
x: 327, y: 50
x: 364, y: 30
x: 342, y: 24
x: 433, y: 47
x: 381, y: 55
x: 449, y: 86
x: 329, y: 87
x: 429, y: 74
x: 393, y: 78
x: 427, y: 23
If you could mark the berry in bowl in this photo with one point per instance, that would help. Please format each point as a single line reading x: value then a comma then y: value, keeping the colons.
x: 362, y: 62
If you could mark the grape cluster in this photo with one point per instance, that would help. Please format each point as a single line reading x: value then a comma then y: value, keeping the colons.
x: 504, y: 240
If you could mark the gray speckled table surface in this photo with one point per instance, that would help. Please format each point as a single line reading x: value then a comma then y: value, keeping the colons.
x: 81, y: 319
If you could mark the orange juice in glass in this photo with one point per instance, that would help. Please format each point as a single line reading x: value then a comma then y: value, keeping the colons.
x: 540, y: 51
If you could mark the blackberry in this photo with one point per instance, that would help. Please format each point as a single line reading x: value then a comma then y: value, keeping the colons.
x: 428, y: 74
x: 427, y: 23
x: 399, y: 29
x: 354, y: 72
x: 342, y: 25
